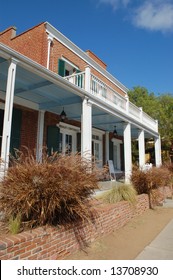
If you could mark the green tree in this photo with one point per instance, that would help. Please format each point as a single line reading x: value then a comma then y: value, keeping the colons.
x: 158, y: 107
x: 165, y: 118
x: 142, y: 98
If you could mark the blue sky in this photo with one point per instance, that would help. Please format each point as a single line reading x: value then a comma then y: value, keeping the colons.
x: 133, y: 37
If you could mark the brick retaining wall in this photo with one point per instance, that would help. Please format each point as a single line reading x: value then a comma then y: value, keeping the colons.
x: 56, y: 243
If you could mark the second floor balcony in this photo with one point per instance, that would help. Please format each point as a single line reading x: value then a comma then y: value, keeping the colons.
x: 95, y: 86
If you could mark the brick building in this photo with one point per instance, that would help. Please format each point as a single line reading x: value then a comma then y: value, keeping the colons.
x: 42, y: 75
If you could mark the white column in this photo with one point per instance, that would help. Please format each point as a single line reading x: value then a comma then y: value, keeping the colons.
x: 141, y: 147
x: 127, y: 104
x: 107, y: 146
x: 40, y: 131
x: 87, y: 78
x: 157, y: 145
x: 86, y: 129
x: 127, y: 152
x: 5, y: 149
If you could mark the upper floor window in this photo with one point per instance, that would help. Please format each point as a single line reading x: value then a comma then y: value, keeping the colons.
x: 66, y: 68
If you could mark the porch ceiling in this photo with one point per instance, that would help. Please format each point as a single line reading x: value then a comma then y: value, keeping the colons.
x: 52, y: 97
x: 47, y: 95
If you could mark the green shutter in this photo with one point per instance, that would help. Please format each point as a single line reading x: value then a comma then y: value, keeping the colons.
x: 61, y: 67
x: 122, y: 156
x: 15, y: 130
x: 53, y: 134
x: 78, y: 142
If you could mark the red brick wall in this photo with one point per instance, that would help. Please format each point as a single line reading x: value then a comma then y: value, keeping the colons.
x: 29, y: 129
x: 56, y: 243
x: 32, y: 43
x: 96, y: 58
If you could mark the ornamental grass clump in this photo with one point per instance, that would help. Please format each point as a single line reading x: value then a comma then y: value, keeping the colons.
x: 149, y: 182
x: 118, y: 193
x: 56, y: 191
x: 14, y: 225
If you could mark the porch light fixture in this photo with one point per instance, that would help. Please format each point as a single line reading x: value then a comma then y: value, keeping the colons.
x: 115, y: 133
x: 63, y: 115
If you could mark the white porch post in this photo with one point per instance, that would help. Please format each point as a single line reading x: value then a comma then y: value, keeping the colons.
x: 141, y: 145
x: 86, y: 129
x: 40, y: 130
x: 5, y: 149
x: 87, y: 78
x: 107, y: 146
x: 157, y: 145
x: 127, y: 152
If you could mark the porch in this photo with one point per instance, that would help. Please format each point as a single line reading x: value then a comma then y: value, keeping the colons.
x: 86, y: 100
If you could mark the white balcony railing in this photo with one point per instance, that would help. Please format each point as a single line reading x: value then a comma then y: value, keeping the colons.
x: 106, y: 93
x: 77, y: 79
x: 111, y: 97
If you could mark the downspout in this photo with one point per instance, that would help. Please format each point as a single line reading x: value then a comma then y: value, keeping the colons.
x: 50, y: 40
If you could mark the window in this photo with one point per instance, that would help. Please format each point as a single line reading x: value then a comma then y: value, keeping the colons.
x: 66, y: 68
x: 67, y: 140
x: 68, y: 144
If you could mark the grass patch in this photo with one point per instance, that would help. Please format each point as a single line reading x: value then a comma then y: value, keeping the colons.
x: 14, y: 224
x: 118, y: 193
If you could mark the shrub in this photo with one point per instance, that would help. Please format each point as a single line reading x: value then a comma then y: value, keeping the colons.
x: 118, y: 193
x: 149, y: 181
x: 169, y: 166
x: 55, y: 191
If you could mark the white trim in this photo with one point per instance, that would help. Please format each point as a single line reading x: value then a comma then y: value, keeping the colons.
x: 69, y: 62
x: 49, y: 40
x: 68, y: 126
x: 97, y: 131
x: 6, y: 134
x: 116, y: 141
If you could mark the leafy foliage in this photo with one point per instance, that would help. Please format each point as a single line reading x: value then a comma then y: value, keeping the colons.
x: 158, y: 107
x: 56, y: 191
